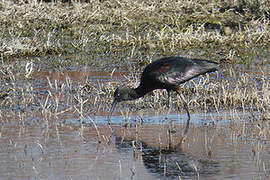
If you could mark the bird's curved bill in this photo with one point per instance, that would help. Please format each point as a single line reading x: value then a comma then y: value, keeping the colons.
x: 111, y: 111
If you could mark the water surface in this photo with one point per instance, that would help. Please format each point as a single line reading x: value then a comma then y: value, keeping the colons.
x: 43, y: 137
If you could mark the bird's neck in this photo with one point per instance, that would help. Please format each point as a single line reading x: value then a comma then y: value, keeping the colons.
x: 139, y: 92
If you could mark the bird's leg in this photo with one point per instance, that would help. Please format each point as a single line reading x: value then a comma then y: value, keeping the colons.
x: 169, y: 99
x: 169, y: 122
x: 169, y: 102
x: 188, y: 114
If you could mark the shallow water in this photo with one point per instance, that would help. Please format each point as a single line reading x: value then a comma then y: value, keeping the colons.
x: 228, y: 151
x: 37, y: 143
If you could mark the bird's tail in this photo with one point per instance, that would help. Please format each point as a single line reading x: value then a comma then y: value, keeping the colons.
x: 207, y: 66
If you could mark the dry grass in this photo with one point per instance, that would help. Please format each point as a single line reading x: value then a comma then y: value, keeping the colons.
x: 66, y: 99
x: 246, y: 93
x: 132, y: 29
x: 104, y: 33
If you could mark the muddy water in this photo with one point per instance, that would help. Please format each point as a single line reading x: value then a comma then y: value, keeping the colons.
x: 227, y: 151
x: 224, y: 145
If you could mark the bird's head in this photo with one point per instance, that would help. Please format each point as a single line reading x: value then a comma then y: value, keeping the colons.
x: 120, y: 94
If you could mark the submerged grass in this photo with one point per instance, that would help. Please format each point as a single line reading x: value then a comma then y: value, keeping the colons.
x: 130, y: 34
x: 66, y: 99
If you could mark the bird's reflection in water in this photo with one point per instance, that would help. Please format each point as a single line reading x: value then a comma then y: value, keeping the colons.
x: 174, y: 164
x: 169, y: 164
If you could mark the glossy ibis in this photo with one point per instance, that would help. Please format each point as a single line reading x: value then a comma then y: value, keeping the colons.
x: 165, y: 73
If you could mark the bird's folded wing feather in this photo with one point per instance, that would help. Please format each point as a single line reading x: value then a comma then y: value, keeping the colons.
x: 177, y: 77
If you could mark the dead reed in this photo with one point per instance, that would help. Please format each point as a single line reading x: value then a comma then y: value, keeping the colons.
x: 226, y: 30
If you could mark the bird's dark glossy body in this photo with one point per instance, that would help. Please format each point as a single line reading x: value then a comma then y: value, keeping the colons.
x: 168, y: 73
x: 165, y: 73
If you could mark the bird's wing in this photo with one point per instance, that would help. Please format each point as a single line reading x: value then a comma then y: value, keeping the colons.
x: 178, y: 77
x: 176, y: 72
